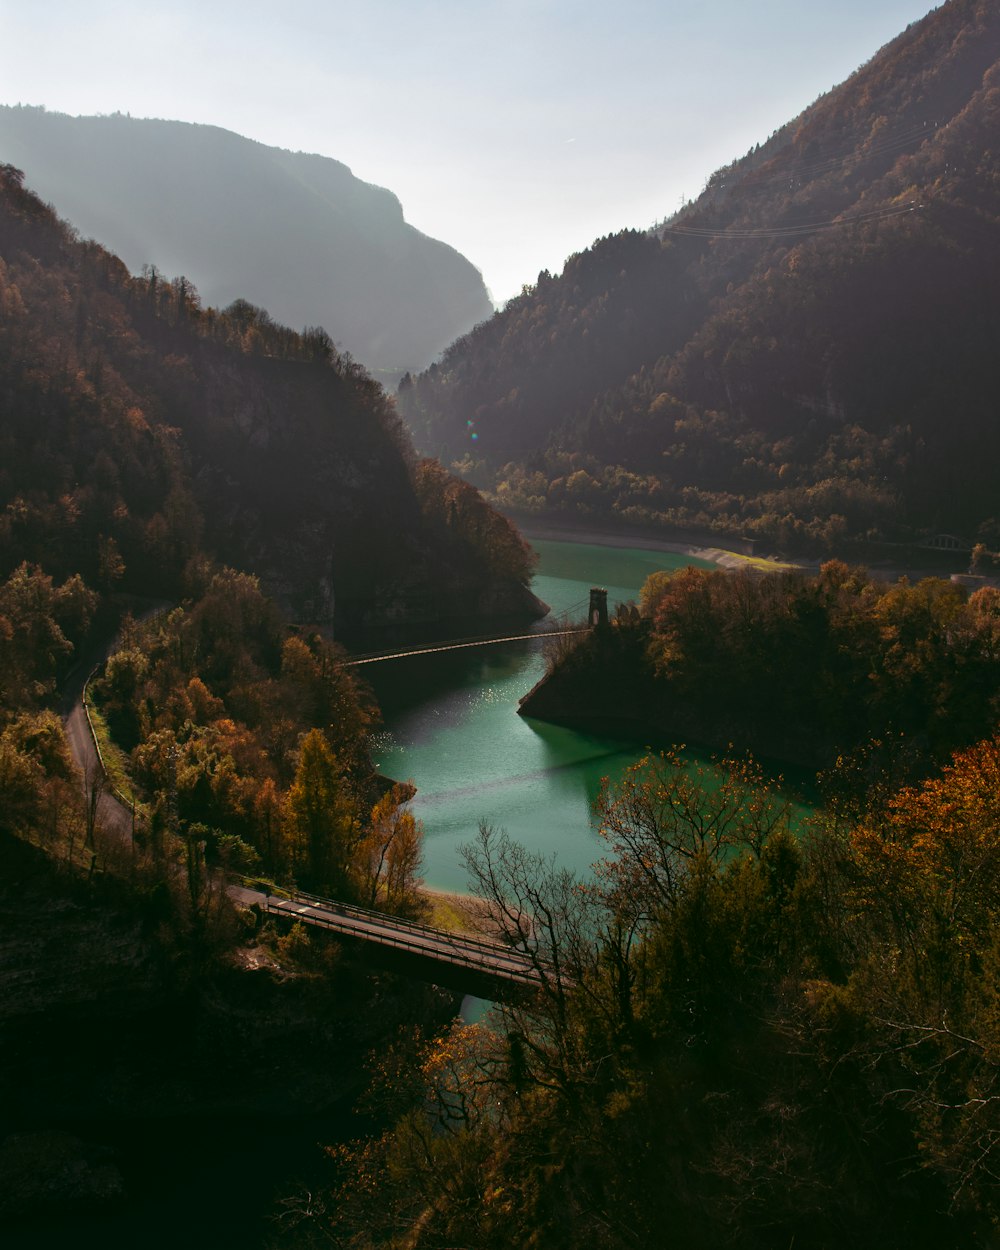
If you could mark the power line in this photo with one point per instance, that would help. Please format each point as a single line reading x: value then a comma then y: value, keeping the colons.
x: 891, y: 143
x: 777, y: 232
x: 796, y: 173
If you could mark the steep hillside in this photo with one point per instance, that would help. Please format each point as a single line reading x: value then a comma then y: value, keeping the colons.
x: 806, y: 353
x: 294, y: 232
x: 142, y: 433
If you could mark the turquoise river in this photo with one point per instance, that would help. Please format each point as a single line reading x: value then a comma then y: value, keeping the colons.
x: 451, y: 727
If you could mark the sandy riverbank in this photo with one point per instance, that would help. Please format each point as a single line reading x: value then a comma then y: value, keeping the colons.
x: 725, y: 557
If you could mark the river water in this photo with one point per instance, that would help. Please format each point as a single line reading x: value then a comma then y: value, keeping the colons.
x: 451, y: 727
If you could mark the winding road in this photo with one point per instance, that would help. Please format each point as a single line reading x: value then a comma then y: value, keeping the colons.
x: 431, y: 954
x: 114, y: 815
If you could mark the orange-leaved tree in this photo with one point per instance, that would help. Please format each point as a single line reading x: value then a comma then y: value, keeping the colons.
x: 322, y: 820
x: 926, y: 901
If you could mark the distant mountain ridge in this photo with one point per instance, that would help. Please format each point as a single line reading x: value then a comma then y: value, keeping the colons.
x: 807, y: 353
x: 293, y: 232
x: 142, y: 434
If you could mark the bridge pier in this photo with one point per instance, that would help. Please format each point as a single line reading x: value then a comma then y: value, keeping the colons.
x: 598, y: 614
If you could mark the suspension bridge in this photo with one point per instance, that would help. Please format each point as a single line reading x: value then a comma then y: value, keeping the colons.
x: 458, y: 961
x: 597, y: 615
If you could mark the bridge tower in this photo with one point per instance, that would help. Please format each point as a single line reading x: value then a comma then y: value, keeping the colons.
x: 598, y: 614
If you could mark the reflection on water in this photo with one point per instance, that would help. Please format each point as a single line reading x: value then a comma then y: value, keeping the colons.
x: 451, y: 726
x: 474, y: 1010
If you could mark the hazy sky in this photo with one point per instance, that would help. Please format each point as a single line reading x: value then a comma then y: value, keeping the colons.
x: 516, y: 130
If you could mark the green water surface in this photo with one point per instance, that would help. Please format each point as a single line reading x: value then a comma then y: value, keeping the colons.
x: 451, y: 726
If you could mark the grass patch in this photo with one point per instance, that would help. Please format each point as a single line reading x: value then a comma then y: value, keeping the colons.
x: 115, y: 759
x: 263, y: 884
x: 456, y: 912
x: 769, y: 566
x: 59, y: 851
x: 734, y: 559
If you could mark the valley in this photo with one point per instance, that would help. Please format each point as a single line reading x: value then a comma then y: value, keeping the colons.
x: 728, y: 857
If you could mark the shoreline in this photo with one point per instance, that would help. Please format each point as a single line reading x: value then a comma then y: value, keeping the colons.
x: 725, y: 557
x: 465, y: 912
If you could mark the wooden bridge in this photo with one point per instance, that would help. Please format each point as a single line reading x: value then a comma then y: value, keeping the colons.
x: 458, y: 961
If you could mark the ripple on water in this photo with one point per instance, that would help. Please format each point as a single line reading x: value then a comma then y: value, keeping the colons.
x: 451, y: 726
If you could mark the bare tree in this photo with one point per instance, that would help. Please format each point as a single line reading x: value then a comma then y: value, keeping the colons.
x: 562, y: 927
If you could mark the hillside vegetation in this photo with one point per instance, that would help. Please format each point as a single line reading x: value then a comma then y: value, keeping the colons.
x: 157, y: 452
x: 801, y: 669
x: 743, y: 1038
x: 805, y: 353
x: 146, y: 443
x: 144, y: 433
x: 295, y: 232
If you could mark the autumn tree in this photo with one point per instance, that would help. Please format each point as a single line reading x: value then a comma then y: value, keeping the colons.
x: 924, y: 897
x: 389, y: 855
x: 324, y: 693
x: 40, y: 624
x: 322, y: 820
x: 488, y: 540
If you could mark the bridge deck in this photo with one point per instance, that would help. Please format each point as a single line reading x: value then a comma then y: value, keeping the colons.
x: 440, y: 946
x: 458, y: 644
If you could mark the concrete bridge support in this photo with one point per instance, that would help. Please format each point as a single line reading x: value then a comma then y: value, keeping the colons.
x: 598, y: 614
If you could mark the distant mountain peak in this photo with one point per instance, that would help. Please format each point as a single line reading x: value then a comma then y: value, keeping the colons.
x: 295, y: 232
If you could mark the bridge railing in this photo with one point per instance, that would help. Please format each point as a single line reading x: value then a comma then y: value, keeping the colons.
x: 458, y: 644
x: 410, y: 934
x: 491, y: 960
x: 415, y: 926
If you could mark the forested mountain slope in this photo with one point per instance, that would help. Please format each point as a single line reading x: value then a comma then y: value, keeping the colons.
x: 806, y: 353
x: 297, y: 233
x: 142, y: 433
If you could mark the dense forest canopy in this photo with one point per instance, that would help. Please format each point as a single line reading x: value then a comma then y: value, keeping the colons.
x: 743, y: 1037
x: 230, y: 731
x: 805, y: 353
x: 800, y: 669
x: 142, y: 430
x: 749, y: 1029
x: 295, y: 232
